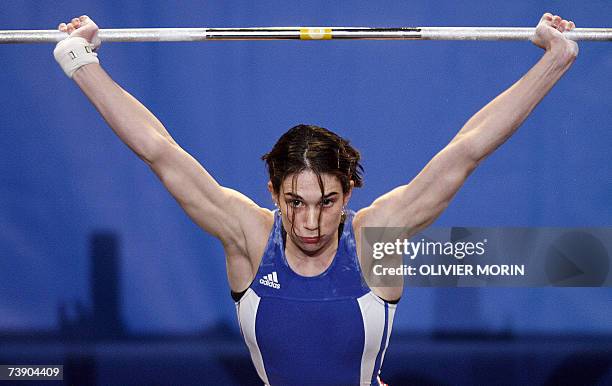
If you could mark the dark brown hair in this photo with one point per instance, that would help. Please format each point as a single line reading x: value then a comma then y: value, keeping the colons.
x: 315, y: 148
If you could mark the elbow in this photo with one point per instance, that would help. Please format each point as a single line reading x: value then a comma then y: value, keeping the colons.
x: 155, y: 149
x: 465, y: 152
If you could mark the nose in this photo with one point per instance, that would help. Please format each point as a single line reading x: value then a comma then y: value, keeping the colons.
x: 312, y: 219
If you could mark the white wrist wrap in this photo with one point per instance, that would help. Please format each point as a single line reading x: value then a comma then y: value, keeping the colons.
x: 74, y: 52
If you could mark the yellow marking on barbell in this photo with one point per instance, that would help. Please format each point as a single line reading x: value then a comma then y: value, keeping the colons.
x: 315, y: 33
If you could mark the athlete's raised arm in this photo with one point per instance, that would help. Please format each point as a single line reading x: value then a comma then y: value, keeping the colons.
x: 220, y: 211
x: 419, y: 203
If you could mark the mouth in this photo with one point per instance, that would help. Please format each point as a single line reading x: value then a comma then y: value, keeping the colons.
x: 310, y: 240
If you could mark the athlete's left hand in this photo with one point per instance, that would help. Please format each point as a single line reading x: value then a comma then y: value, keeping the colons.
x: 549, y: 35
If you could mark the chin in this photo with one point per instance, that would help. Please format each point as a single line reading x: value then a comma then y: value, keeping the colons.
x: 309, y: 246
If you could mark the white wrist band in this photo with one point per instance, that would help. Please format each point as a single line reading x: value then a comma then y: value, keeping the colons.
x: 74, y: 52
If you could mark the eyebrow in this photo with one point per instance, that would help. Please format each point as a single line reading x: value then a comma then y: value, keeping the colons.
x: 328, y: 195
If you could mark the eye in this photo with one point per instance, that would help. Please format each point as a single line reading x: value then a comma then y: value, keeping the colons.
x: 326, y: 202
x: 294, y: 203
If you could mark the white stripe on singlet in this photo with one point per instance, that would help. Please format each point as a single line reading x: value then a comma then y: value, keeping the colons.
x: 373, y: 314
x: 247, y: 312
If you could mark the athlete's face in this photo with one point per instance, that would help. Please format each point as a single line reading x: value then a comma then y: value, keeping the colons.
x: 315, y: 216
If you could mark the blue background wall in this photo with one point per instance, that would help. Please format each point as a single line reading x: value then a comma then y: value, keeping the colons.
x: 64, y: 175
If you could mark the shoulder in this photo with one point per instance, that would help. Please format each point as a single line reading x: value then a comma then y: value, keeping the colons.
x: 369, y: 217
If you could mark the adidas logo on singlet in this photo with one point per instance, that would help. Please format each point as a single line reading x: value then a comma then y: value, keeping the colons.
x: 270, y: 280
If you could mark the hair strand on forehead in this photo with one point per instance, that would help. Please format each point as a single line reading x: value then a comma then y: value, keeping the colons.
x: 313, y: 147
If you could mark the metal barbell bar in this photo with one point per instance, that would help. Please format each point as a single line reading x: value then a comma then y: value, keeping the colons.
x: 302, y: 33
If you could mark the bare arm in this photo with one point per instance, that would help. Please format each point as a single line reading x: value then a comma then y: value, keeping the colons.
x: 419, y: 203
x: 133, y: 123
x: 205, y: 201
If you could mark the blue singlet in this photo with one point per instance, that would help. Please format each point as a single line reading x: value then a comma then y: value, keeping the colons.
x: 329, y: 329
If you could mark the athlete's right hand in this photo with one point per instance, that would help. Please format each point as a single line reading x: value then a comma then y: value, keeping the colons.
x: 82, y: 27
x: 79, y: 48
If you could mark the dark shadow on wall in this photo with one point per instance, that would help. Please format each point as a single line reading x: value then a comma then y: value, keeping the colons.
x: 104, y: 320
x: 581, y: 368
